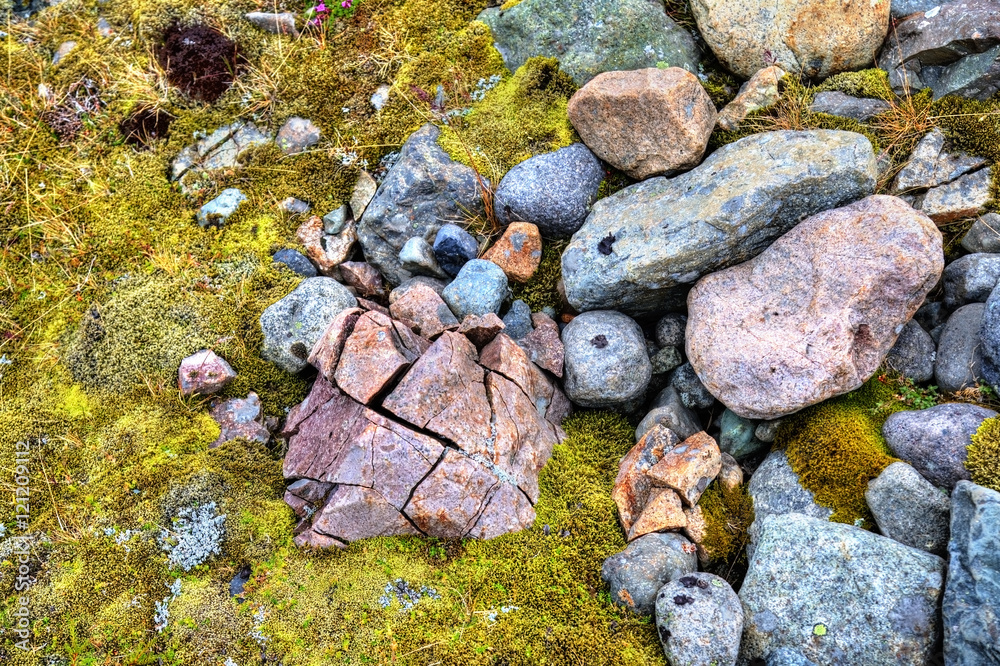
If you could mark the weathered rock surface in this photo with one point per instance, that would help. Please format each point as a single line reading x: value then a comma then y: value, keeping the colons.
x: 642, y: 243
x: 453, y: 247
x: 970, y: 279
x: 239, y: 418
x: 605, y: 363
x: 839, y: 595
x: 296, y: 261
x: 591, y: 37
x: 216, y: 212
x: 669, y: 411
x: 816, y: 313
x: 204, y: 373
x: 966, y: 196
x: 364, y: 278
x: 952, y: 48
x: 760, y: 92
x: 971, y: 606
x: 776, y: 491
x: 297, y: 135
x: 688, y: 467
x: 989, y: 337
x: 517, y: 321
x: 737, y: 435
x: 913, y: 354
x: 984, y: 235
x: 837, y: 103
x: 909, y: 509
x: 691, y: 390
x: 663, y: 513
x: 636, y: 574
x: 814, y: 38
x: 423, y: 306
x: 670, y: 330
x: 518, y: 251
x: 326, y: 250
x: 479, y: 288
x: 934, y: 440
x: 959, y: 359
x: 553, y: 190
x: 219, y: 150
x: 422, y: 191
x: 416, y: 257
x: 481, y: 330
x: 543, y: 344
x: 373, y: 356
x: 645, y: 122
x: 699, y: 619
x: 632, y: 488
x: 933, y: 163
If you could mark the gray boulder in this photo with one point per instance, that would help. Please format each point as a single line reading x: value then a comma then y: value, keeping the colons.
x: 971, y: 606
x: 517, y: 321
x: 453, y: 248
x: 606, y: 364
x: 970, y: 279
x: 776, y: 491
x: 989, y: 335
x: 839, y: 596
x: 909, y: 509
x: 958, y: 363
x: 934, y: 440
x: 637, y: 573
x: 699, y: 619
x: 641, y: 246
x: 293, y: 325
x: 417, y: 258
x: 913, y: 354
x: 787, y: 657
x: 424, y: 190
x: 983, y: 235
x: 836, y: 103
x: 592, y: 36
x: 553, y: 191
x: 669, y: 411
x: 296, y: 261
x: 479, y: 288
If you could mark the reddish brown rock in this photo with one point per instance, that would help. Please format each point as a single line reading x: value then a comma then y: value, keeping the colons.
x: 518, y: 252
x: 239, y: 418
x: 325, y: 354
x: 450, y: 500
x: 632, y: 486
x: 327, y: 251
x: 204, y: 373
x: 364, y: 277
x: 373, y: 356
x: 424, y: 307
x: 507, y: 510
x: 689, y: 467
x: 662, y: 513
x: 481, y: 329
x: 354, y: 512
x: 645, y: 122
x: 543, y: 344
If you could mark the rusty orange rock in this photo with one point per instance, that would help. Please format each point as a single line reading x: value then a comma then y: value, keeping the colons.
x: 518, y: 252
x: 663, y: 513
x: 632, y: 487
x: 689, y: 467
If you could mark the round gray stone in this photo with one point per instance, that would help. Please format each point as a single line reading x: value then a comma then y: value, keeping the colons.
x: 637, y: 573
x: 984, y: 235
x: 787, y: 657
x: 606, y: 364
x: 737, y: 435
x: 479, y: 288
x: 670, y: 330
x: 909, y: 509
x: 989, y: 336
x: 217, y: 211
x: 958, y: 363
x: 453, y: 248
x: 699, y: 619
x: 970, y: 279
x: 775, y: 490
x: 913, y: 354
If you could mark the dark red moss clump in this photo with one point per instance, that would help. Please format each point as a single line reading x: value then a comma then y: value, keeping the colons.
x: 199, y: 60
x: 145, y: 126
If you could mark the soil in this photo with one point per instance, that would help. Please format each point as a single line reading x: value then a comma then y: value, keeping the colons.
x: 198, y: 60
x: 145, y: 126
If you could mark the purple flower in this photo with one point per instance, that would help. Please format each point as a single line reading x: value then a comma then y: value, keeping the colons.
x: 320, y: 8
x: 346, y: 4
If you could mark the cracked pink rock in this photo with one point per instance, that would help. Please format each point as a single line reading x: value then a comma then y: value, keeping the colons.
x: 373, y: 356
x: 481, y: 329
x: 425, y: 308
x: 450, y: 500
x: 325, y: 354
x: 204, y: 373
x: 543, y: 344
x: 689, y: 467
x: 507, y: 510
x: 354, y: 512
x: 632, y: 487
x: 662, y: 513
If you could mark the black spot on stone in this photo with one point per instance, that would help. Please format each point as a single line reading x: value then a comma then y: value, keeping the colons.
x: 682, y: 599
x: 693, y: 581
x: 599, y: 341
x: 299, y: 350
x: 605, y: 246
x: 664, y: 633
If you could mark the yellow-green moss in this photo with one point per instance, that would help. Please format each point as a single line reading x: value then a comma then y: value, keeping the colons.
x: 865, y: 83
x: 728, y: 514
x: 837, y: 447
x: 541, y: 291
x: 983, y: 461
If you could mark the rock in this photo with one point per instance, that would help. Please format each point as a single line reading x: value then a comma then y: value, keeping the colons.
x: 839, y: 595
x: 553, y: 190
x: 699, y: 619
x: 913, y: 354
x: 666, y: 359
x: 970, y: 279
x: 965, y: 197
x: 517, y: 321
x: 293, y: 206
x: 239, y: 418
x: 293, y: 325
x: 518, y: 252
x: 380, y: 97
x: 971, y: 603
x: 335, y: 221
x: 631, y: 492
x: 543, y: 345
x: 422, y: 306
x: 904, y: 8
x: 760, y: 92
x: 951, y: 48
x: 984, y: 235
x: 479, y: 288
x: 787, y: 657
x: 688, y: 468
x: 282, y: 23
x: 637, y: 573
x: 417, y: 258
x: 217, y: 211
x: 640, y: 246
x: 693, y: 393
x: 663, y: 513
x: 435, y: 284
x: 909, y: 509
x: 737, y: 435
x: 221, y: 149
x: 731, y: 474
x: 325, y: 354
x: 767, y: 431
x: 814, y: 39
x: 481, y: 329
x: 647, y: 122
x: 934, y: 440
x: 958, y: 363
x: 836, y: 103
x: 590, y: 37
x: 64, y: 50
x: 363, y: 193
x: 297, y: 135
x: 424, y: 190
x: 325, y: 250
x: 204, y: 373
x: 932, y: 164
x: 989, y: 334
x: 363, y: 277
x: 776, y: 491
x: 453, y: 247
x: 104, y: 28
x: 669, y: 411
x: 797, y: 325
x: 373, y: 356
x: 296, y: 261
x: 670, y: 330
x: 605, y: 361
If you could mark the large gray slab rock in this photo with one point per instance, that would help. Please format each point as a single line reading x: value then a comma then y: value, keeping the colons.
x: 953, y: 48
x: 839, y: 595
x: 221, y: 149
x: 553, y: 191
x: 424, y: 190
x: 815, y: 314
x: 606, y: 364
x: 640, y: 246
x: 836, y: 103
x: 913, y: 354
x: 637, y: 573
x: 295, y: 323
x: 776, y: 491
x: 909, y: 509
x: 959, y: 359
x: 699, y: 619
x: 787, y: 657
x: 811, y: 37
x: 970, y: 279
x: 935, y: 440
x: 669, y: 411
x: 591, y: 36
x: 971, y: 606
x: 989, y: 336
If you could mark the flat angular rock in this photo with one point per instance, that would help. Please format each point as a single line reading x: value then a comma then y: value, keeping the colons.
x: 909, y: 509
x: 363, y: 193
x: 797, y: 325
x: 632, y: 487
x: 637, y: 573
x: 335, y: 221
x: 479, y: 288
x: 689, y: 467
x: 913, y: 354
x: 813, y: 38
x: 984, y: 235
x: 325, y: 354
x: 364, y: 277
x: 836, y: 103
x: 480, y: 329
x: 544, y: 347
x: 221, y: 149
x: 760, y: 92
x: 282, y: 23
x: 641, y: 244
x: 971, y: 605
x: 605, y: 361
x: 204, y: 373
x: 416, y: 257
x: 839, y: 595
x: 646, y: 122
x: 356, y: 512
x: 663, y: 512
x: 422, y: 306
x: 507, y: 510
x: 669, y: 411
x: 239, y: 418
x: 518, y: 252
x: 959, y: 359
x: 326, y: 251
x: 931, y: 164
x: 965, y: 197
x: 296, y: 261
x: 517, y: 321
x: 297, y: 135
x: 372, y: 357
x: 217, y: 211
x: 448, y: 502
x: 731, y: 474
x: 699, y: 619
x: 422, y: 191
x: 590, y: 37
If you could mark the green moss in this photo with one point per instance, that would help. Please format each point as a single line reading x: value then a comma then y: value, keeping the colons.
x: 983, y: 461
x: 541, y: 290
x: 837, y: 447
x: 974, y: 127
x: 865, y: 83
x: 728, y: 514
